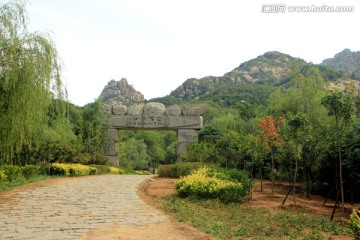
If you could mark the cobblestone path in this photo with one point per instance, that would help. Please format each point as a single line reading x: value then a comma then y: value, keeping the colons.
x: 68, y: 208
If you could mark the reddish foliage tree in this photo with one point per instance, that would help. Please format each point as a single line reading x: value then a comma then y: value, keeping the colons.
x: 271, y: 129
x: 270, y: 139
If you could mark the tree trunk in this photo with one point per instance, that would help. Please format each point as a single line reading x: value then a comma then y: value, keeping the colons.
x: 291, y: 187
x: 340, y: 166
x: 272, y: 172
x: 341, y: 179
x: 261, y: 180
x: 294, y: 184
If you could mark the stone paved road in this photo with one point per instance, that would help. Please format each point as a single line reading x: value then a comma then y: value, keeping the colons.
x: 68, y: 208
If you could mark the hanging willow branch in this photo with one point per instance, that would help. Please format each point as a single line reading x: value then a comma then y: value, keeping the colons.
x: 29, y: 79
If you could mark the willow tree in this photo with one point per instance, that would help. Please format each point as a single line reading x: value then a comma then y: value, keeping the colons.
x: 29, y: 79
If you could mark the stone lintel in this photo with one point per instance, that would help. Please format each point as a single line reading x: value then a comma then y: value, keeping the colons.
x: 149, y: 122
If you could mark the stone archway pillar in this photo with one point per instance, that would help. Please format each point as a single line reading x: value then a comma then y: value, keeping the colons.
x: 185, y: 137
x: 186, y: 120
x: 110, y: 150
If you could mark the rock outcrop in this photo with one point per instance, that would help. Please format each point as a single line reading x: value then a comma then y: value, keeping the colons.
x: 272, y: 67
x: 121, y: 91
x: 346, y: 61
x: 193, y: 88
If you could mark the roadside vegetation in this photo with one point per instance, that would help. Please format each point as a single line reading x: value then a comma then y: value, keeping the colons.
x: 12, y: 176
x: 234, y: 221
x: 213, y: 199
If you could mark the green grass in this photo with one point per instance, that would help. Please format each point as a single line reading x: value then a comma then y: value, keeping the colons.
x: 236, y: 221
x: 21, y: 181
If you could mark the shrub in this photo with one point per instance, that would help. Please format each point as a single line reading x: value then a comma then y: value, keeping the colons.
x: 165, y: 171
x: 179, y: 169
x: 81, y: 170
x: 355, y: 223
x: 99, y: 159
x: 101, y: 169
x: 115, y: 170
x: 30, y: 171
x: 12, y: 172
x: 59, y: 169
x: 211, y: 183
x: 82, y: 158
x: 235, y: 176
x: 71, y: 169
x: 3, y: 176
x: 142, y: 172
x: 105, y: 169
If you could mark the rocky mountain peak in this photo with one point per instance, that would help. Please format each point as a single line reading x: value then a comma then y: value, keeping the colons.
x: 121, y: 91
x: 270, y: 67
x: 123, y: 83
x: 346, y: 61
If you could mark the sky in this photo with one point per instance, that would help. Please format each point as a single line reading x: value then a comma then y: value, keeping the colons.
x: 157, y: 45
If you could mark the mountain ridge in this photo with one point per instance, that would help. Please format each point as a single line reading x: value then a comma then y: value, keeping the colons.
x: 252, y: 80
x: 271, y: 68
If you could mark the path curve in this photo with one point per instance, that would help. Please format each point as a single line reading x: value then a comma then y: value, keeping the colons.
x: 71, y: 207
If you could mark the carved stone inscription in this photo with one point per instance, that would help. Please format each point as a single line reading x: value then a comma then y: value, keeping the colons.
x: 144, y: 121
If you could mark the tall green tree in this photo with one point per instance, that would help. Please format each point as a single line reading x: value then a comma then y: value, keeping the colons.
x: 132, y: 154
x: 296, y: 126
x: 341, y: 109
x: 29, y: 79
x: 303, y: 99
x: 94, y: 133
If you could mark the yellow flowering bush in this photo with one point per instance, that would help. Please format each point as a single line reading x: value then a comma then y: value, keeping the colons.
x: 208, y: 183
x: 355, y: 223
x: 71, y: 169
x: 142, y: 172
x: 114, y: 170
x: 3, y: 176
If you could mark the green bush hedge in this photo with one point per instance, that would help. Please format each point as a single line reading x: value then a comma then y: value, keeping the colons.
x: 3, y: 176
x: 12, y: 172
x: 234, y: 175
x: 355, y: 223
x: 30, y: 171
x: 216, y: 183
x: 179, y: 169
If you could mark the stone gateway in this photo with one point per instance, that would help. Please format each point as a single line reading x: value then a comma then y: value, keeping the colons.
x: 152, y: 116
